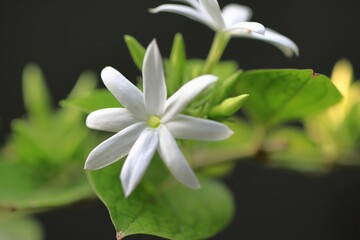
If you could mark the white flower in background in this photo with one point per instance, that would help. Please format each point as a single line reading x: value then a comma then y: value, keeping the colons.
x: 233, y: 19
x: 149, y: 122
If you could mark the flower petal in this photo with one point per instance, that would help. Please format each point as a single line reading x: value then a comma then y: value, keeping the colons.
x: 212, y: 11
x: 179, y: 100
x: 186, y: 11
x: 110, y: 119
x: 114, y: 148
x: 126, y: 92
x: 193, y: 3
x: 138, y: 160
x: 287, y: 46
x: 247, y: 27
x: 186, y: 127
x: 174, y: 159
x: 154, y: 81
x: 236, y: 13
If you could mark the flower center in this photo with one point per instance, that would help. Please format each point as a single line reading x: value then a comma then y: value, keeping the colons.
x: 153, y: 121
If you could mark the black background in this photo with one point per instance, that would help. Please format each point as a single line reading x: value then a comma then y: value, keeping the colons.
x: 67, y: 37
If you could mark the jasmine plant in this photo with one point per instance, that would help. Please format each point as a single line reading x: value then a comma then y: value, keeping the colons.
x: 176, y: 131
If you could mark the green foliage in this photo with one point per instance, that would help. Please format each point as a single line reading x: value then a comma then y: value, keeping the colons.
x: 280, y: 95
x: 137, y: 51
x: 291, y: 147
x: 97, y: 99
x: 163, y: 207
x: 42, y: 161
x: 176, y: 65
x: 16, y: 228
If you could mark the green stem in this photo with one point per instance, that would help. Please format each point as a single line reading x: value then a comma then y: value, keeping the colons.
x: 220, y: 41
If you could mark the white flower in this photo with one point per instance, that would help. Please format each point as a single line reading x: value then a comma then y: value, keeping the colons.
x: 233, y: 19
x: 149, y: 122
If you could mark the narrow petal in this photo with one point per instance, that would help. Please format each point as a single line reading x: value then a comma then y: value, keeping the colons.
x: 286, y: 45
x: 126, y: 92
x: 179, y: 100
x: 174, y: 159
x: 154, y: 81
x: 212, y: 11
x: 247, y: 27
x: 193, y: 3
x: 186, y: 11
x: 186, y: 127
x: 138, y: 160
x: 110, y: 119
x: 235, y: 13
x: 114, y: 148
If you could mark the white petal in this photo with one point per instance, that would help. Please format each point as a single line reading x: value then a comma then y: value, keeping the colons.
x: 110, y: 119
x: 287, y: 46
x: 126, y: 92
x: 235, y: 13
x: 154, y: 81
x: 174, y: 159
x: 193, y: 3
x: 212, y: 11
x: 179, y: 100
x: 247, y: 27
x: 138, y: 160
x: 114, y: 148
x: 186, y: 11
x: 186, y: 127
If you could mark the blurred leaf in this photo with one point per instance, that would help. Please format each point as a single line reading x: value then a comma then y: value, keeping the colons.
x: 241, y: 144
x: 98, y: 99
x: 84, y: 85
x: 37, y: 99
x: 291, y: 147
x: 286, y: 94
x: 164, y: 207
x: 23, y: 188
x: 223, y: 69
x: 23, y: 228
x: 41, y: 165
x: 176, y: 65
x: 137, y: 51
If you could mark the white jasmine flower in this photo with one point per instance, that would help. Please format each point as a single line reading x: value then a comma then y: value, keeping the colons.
x: 149, y: 122
x: 233, y: 19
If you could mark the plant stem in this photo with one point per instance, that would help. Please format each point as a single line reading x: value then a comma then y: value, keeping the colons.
x: 220, y: 41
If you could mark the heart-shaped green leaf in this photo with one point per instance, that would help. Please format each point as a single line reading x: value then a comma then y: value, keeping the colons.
x: 161, y: 206
x: 286, y: 94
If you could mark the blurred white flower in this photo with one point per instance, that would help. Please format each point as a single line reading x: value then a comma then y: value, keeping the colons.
x: 149, y: 122
x: 233, y: 19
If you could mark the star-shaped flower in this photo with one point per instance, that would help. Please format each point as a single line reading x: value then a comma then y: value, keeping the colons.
x: 149, y: 122
x: 233, y: 19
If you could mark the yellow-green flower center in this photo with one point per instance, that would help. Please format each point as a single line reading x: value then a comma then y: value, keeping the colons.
x: 153, y: 121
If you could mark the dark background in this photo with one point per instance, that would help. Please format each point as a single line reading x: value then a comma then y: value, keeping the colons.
x: 67, y: 37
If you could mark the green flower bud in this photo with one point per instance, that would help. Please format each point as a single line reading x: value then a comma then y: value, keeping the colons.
x: 228, y: 107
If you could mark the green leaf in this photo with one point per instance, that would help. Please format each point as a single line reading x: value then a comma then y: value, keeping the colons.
x: 98, y: 99
x: 162, y: 206
x: 175, y: 70
x: 206, y: 153
x: 37, y: 98
x: 223, y: 69
x: 23, y: 188
x: 292, y: 148
x: 137, y: 51
x: 20, y: 228
x: 286, y: 94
